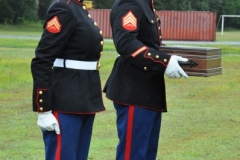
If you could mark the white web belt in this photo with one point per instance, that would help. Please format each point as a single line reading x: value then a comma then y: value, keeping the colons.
x: 73, y: 64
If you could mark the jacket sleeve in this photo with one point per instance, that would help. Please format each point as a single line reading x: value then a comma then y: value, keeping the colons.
x: 127, y: 22
x: 57, y: 29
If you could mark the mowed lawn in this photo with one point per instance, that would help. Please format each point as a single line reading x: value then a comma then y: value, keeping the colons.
x: 202, y: 122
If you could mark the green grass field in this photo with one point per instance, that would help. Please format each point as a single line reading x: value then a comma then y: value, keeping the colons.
x: 202, y: 123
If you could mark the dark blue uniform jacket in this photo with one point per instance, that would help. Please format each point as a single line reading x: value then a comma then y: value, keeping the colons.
x: 137, y: 77
x: 69, y: 32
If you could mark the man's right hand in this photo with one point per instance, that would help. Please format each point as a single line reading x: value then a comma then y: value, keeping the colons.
x: 173, y: 69
x: 47, y: 121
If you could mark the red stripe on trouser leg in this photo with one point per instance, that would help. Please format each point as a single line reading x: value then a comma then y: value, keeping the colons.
x: 129, y: 133
x: 58, y: 149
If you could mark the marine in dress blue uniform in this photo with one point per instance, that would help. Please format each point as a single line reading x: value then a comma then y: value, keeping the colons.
x: 136, y: 84
x: 66, y: 79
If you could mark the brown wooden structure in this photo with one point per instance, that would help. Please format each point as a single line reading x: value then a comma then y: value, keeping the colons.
x: 208, y: 59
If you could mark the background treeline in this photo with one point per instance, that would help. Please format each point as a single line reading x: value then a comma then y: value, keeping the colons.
x: 17, y: 12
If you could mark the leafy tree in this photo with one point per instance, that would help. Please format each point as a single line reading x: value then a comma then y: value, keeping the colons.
x: 6, y: 12
x: 42, y: 8
x: 103, y: 4
x: 214, y: 5
x: 230, y: 7
x: 168, y: 4
x: 22, y: 10
x: 13, y: 11
x: 163, y: 5
x: 186, y: 5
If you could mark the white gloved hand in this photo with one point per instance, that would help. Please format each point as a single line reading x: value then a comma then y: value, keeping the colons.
x: 47, y: 121
x: 173, y: 69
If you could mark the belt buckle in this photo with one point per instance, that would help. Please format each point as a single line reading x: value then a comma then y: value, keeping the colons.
x: 98, y: 65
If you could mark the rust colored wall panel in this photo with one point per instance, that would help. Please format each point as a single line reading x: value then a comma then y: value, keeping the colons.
x: 102, y: 17
x: 194, y: 26
x: 176, y: 25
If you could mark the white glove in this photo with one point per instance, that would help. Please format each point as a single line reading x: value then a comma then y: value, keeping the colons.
x: 47, y: 121
x: 173, y: 69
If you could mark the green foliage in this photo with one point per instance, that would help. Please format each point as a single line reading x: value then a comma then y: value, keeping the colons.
x: 42, y: 8
x: 103, y: 4
x: 22, y: 11
x: 14, y: 12
x: 230, y: 7
x: 6, y: 12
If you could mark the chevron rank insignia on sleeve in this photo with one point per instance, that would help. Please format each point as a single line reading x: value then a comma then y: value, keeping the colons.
x: 53, y: 25
x: 129, y: 21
